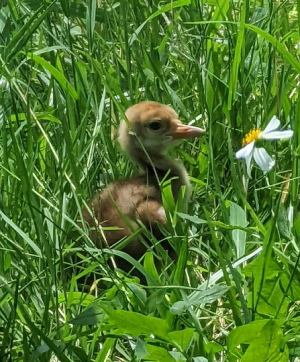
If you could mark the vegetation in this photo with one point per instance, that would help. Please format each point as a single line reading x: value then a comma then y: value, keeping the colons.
x: 69, y: 70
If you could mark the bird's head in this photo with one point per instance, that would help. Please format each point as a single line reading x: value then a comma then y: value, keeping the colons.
x: 153, y: 127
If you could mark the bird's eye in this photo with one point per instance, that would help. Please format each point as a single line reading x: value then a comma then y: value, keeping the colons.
x: 154, y: 125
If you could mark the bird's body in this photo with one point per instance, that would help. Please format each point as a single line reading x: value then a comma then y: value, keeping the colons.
x: 151, y: 129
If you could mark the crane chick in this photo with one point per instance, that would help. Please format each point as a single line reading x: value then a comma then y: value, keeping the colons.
x: 150, y: 130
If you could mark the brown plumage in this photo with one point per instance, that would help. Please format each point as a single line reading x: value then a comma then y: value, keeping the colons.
x: 151, y: 129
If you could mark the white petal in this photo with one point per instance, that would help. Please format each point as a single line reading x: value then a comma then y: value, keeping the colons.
x: 272, y: 125
x: 262, y: 158
x: 277, y: 135
x: 248, y: 160
x: 245, y: 151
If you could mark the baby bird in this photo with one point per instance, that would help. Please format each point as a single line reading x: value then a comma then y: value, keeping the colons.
x: 151, y: 128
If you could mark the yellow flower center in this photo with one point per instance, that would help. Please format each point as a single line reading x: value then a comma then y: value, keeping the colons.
x: 251, y: 136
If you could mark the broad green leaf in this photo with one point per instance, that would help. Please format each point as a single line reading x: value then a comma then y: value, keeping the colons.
x: 182, y: 338
x: 140, y: 349
x: 238, y: 217
x: 272, y: 300
x: 193, y: 219
x: 253, y: 268
x: 198, y: 298
x: 213, y: 347
x: 137, y: 324
x: 178, y: 356
x: 158, y: 354
x: 245, y: 334
x: 296, y: 226
x: 90, y: 316
x: 269, y: 345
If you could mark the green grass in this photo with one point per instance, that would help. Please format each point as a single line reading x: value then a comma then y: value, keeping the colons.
x: 68, y: 71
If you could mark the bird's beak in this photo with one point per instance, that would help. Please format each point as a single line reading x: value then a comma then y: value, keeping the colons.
x: 183, y: 131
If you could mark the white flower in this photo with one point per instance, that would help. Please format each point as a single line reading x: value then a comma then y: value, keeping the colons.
x: 260, y: 155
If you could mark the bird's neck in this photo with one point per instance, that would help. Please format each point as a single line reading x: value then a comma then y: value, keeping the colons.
x: 162, y: 167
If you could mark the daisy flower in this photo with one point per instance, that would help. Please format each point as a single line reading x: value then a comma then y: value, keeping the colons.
x: 260, y: 155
